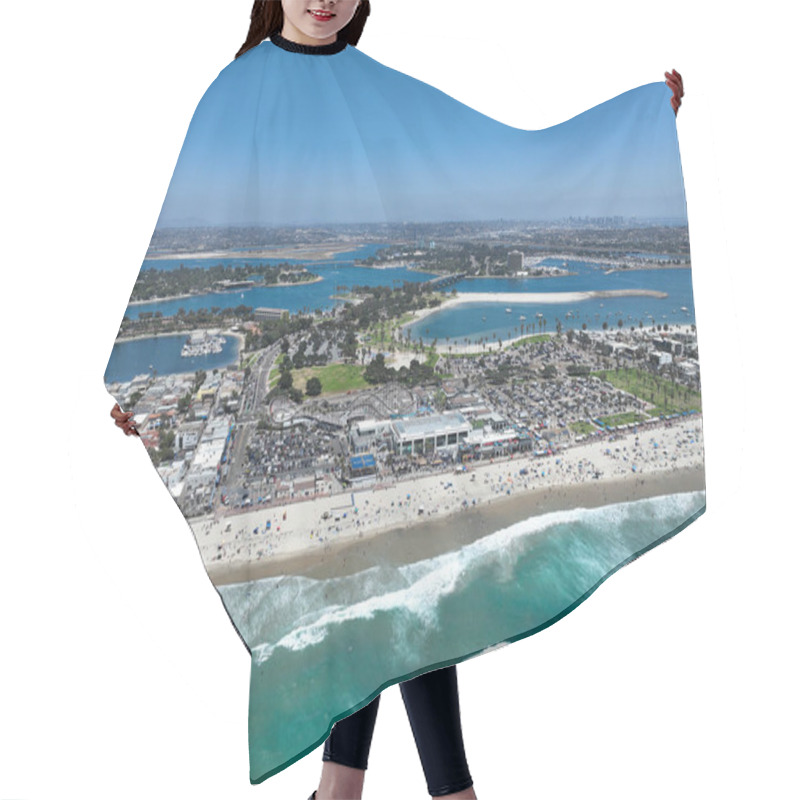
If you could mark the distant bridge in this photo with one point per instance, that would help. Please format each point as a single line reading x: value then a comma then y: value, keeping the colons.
x: 443, y: 281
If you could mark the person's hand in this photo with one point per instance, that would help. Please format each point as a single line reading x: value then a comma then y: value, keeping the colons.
x: 123, y: 419
x: 675, y: 82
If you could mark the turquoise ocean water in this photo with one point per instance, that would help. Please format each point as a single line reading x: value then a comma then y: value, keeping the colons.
x: 322, y: 649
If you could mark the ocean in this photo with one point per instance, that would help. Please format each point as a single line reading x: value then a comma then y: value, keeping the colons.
x: 322, y: 648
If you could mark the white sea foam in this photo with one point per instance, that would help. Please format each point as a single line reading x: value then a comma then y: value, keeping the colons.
x: 419, y: 587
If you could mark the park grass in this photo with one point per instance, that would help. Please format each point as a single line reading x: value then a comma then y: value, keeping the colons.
x: 246, y: 360
x: 667, y: 396
x: 623, y: 419
x: 432, y: 359
x: 371, y: 336
x: 334, y: 378
x: 582, y: 428
x: 275, y: 372
x: 539, y: 337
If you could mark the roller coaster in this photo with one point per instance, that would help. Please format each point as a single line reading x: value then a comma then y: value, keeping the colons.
x: 382, y: 402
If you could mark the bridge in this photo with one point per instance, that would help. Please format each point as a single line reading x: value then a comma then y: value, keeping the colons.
x: 443, y: 281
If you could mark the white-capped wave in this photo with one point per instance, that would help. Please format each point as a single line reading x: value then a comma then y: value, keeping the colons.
x: 417, y: 588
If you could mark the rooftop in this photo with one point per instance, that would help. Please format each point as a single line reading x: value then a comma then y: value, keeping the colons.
x: 430, y: 425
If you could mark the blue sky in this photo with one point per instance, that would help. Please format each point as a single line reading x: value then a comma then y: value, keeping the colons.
x: 290, y: 138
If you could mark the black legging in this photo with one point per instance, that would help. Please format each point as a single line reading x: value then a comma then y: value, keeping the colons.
x: 432, y: 706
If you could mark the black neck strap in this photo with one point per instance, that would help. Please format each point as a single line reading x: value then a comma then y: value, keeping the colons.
x: 311, y: 49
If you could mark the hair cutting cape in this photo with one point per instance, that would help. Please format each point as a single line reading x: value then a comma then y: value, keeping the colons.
x: 419, y: 381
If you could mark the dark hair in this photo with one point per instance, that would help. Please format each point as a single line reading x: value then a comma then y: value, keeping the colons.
x: 266, y: 18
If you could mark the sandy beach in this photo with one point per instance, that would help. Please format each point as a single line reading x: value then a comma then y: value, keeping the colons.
x: 168, y: 298
x: 544, y: 297
x: 456, y: 349
x: 237, y: 334
x: 437, y: 513
x: 515, y: 298
x: 306, y: 252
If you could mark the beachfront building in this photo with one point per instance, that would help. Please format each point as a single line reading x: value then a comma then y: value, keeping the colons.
x: 363, y: 468
x: 371, y: 434
x: 488, y: 443
x: 201, y: 478
x: 669, y: 346
x: 515, y: 261
x: 425, y: 435
x: 269, y: 314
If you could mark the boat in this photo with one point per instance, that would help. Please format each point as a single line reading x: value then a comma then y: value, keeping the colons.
x: 508, y: 311
x: 202, y: 344
x: 522, y: 316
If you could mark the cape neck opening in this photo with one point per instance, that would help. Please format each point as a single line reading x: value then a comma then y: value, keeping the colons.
x: 310, y: 49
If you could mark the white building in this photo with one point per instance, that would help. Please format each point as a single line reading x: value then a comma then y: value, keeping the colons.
x: 424, y: 435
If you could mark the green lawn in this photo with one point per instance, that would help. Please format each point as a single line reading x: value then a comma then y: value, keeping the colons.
x: 582, y: 428
x: 667, y: 396
x: 275, y: 373
x: 372, y: 336
x: 623, y: 419
x: 538, y: 337
x: 333, y: 377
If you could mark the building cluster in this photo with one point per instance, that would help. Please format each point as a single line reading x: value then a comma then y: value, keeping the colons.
x: 385, y: 433
x: 189, y: 446
x: 522, y: 266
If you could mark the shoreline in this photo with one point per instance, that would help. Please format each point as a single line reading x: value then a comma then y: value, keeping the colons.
x: 307, y: 252
x: 443, y: 348
x: 239, y: 335
x: 548, y: 297
x: 428, y: 538
x: 307, y: 533
x: 530, y: 297
x: 620, y: 264
x: 316, y: 279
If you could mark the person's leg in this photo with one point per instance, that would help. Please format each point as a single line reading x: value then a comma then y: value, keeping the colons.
x: 433, y: 710
x: 346, y: 753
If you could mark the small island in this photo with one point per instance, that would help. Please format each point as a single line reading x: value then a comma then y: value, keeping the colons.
x: 155, y: 285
